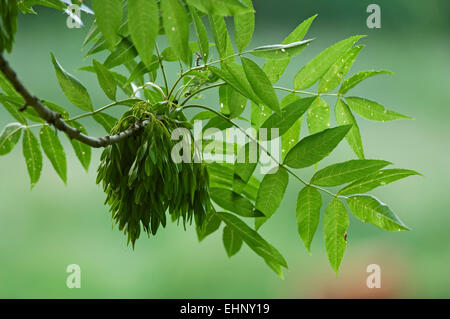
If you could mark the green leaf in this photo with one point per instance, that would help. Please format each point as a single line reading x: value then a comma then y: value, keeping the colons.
x: 202, y: 34
x: 82, y: 151
x: 33, y: 156
x: 7, y: 87
x: 259, y: 114
x: 221, y: 36
x: 54, y: 150
x: 176, y: 24
x: 335, y: 223
x: 9, y: 137
x: 370, y: 210
x: 318, y: 118
x: 221, y: 176
x: 12, y: 109
x: 246, y: 161
x: 75, y: 92
x: 220, y: 7
x: 244, y: 26
x: 261, y: 84
x: 350, y: 83
x: 58, y: 109
x: 106, y: 80
x: 123, y: 53
x: 280, y: 51
x: 92, y: 34
x: 309, y: 202
x: 233, y: 202
x: 320, y: 64
x: 234, y: 76
x: 253, y: 239
x: 339, y: 70
x: 270, y: 193
x: 343, y: 117
x: 232, y: 103
x: 13, y: 105
x: 210, y: 225
x: 292, y: 135
x: 275, y: 68
x: 108, y: 15
x: 341, y: 173
x: 231, y: 241
x: 372, y: 110
x: 375, y: 180
x: 314, y: 148
x: 105, y: 120
x: 140, y: 70
x: 289, y: 115
x: 143, y: 23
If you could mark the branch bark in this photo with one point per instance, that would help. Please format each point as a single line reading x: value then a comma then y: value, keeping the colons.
x: 55, y: 118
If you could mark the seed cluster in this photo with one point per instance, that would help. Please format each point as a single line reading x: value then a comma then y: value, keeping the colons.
x: 141, y: 180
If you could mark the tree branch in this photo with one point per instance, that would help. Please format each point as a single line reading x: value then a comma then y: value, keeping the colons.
x: 55, y: 118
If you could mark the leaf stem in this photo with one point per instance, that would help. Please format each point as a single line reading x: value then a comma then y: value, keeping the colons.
x: 201, y: 67
x: 201, y: 90
x: 304, y: 92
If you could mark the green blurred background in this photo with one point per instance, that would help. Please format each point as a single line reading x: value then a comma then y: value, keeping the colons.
x: 44, y: 230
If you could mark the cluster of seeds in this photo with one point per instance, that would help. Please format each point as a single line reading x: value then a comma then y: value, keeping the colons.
x: 141, y: 180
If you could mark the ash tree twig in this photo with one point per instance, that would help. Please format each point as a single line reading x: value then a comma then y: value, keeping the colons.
x: 55, y: 118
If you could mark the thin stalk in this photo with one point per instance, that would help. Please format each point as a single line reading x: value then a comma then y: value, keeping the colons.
x: 201, y: 90
x: 304, y: 92
x: 163, y: 71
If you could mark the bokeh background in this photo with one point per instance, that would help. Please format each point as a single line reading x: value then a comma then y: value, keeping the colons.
x: 44, y: 230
